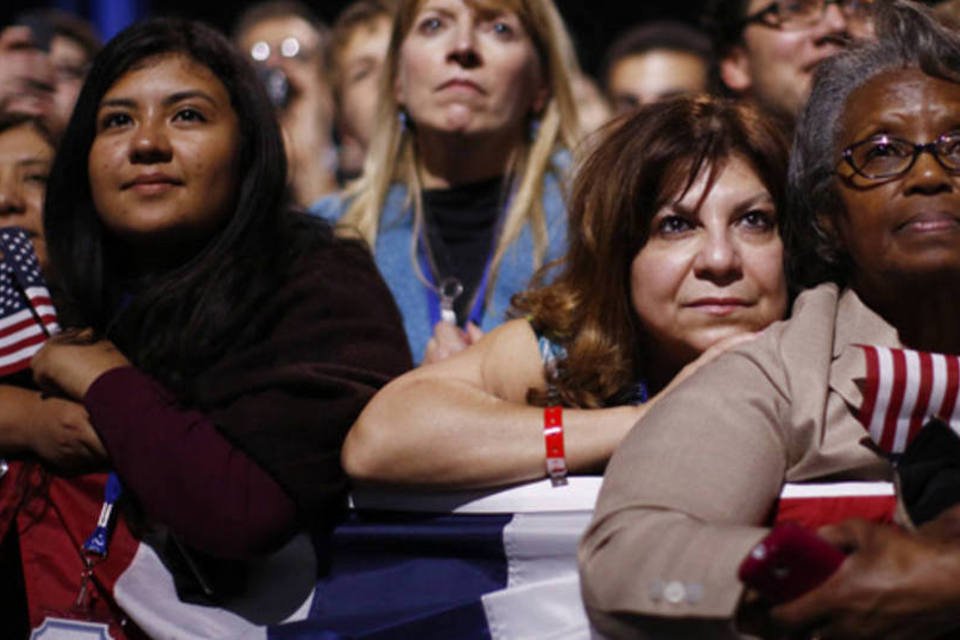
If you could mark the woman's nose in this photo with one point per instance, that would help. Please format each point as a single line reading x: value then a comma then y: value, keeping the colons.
x: 928, y: 176
x: 150, y: 144
x: 11, y: 194
x: 463, y: 47
x: 833, y: 20
x: 718, y: 259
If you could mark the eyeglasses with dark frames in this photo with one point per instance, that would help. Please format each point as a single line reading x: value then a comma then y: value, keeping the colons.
x: 883, y: 157
x: 792, y: 15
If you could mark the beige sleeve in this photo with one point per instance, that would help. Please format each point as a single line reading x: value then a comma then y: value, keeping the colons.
x: 684, y: 498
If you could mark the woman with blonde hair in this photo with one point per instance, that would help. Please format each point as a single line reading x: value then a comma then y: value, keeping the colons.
x: 461, y: 197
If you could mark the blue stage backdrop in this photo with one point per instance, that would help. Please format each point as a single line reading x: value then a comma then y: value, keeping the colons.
x: 109, y: 16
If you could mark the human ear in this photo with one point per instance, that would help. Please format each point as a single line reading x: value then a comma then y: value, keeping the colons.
x: 398, y: 91
x: 735, y: 70
x: 542, y: 95
x: 540, y: 99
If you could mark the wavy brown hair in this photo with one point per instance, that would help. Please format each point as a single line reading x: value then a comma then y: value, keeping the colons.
x: 638, y: 163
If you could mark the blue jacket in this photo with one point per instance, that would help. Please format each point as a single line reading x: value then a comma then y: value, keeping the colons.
x: 392, y: 255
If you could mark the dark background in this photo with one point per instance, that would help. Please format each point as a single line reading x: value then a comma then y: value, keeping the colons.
x: 593, y: 23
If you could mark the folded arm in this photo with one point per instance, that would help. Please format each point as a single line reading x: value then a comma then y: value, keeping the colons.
x: 682, y: 503
x: 184, y: 472
x: 464, y: 422
x: 56, y: 430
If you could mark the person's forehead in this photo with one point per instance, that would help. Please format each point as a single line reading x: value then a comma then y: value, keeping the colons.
x: 66, y: 50
x: 900, y: 95
x: 480, y: 6
x: 23, y: 142
x: 366, y: 35
x: 155, y: 77
x: 661, y: 56
x: 657, y: 69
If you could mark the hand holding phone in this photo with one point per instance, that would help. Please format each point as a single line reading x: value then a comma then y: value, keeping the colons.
x: 787, y: 563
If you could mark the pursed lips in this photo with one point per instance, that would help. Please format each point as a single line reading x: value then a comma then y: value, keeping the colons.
x: 461, y: 83
x: 717, y: 306
x: 151, y: 181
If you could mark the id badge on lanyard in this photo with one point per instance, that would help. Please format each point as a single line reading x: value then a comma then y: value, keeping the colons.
x: 83, y: 620
x: 56, y: 628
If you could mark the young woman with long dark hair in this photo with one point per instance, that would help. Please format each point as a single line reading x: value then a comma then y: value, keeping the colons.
x: 221, y: 343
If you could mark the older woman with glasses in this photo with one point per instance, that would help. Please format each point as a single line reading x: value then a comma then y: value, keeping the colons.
x: 865, y: 371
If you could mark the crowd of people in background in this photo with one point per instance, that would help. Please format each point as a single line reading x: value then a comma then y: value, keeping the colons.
x: 421, y: 249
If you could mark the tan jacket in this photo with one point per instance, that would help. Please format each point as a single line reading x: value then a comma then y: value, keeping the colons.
x: 688, y: 491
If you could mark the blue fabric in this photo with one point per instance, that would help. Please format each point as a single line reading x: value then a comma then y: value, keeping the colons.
x: 113, y: 16
x: 403, y: 575
x: 392, y: 253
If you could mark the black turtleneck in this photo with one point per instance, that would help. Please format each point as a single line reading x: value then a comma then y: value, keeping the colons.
x: 461, y: 227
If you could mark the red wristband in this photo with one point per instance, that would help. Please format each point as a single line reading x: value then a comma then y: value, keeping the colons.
x: 553, y: 438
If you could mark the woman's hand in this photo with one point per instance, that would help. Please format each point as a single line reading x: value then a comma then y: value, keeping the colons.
x: 448, y: 339
x: 945, y: 527
x: 56, y: 430
x: 892, y: 585
x: 60, y: 434
x: 70, y: 362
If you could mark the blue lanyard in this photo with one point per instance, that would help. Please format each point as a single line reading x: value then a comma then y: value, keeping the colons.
x: 640, y: 393
x: 98, y: 541
x: 433, y: 298
x: 479, y: 299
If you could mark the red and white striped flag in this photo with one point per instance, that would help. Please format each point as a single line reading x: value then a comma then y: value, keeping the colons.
x: 903, y: 390
x: 27, y: 316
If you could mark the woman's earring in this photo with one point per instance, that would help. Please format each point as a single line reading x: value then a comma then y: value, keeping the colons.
x: 404, y: 119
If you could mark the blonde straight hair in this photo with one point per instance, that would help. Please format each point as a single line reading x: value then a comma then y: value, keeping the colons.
x: 392, y: 157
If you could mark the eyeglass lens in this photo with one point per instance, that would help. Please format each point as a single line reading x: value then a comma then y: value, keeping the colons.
x: 885, y: 157
x: 802, y: 13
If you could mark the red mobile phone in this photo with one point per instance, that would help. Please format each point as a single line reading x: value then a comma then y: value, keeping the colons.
x: 787, y: 563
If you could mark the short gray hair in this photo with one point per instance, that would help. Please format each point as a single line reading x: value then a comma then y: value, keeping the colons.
x: 908, y: 37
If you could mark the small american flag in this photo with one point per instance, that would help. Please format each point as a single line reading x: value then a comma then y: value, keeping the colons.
x: 27, y: 316
x: 903, y: 390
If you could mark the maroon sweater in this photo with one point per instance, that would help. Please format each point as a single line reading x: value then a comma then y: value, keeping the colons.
x: 259, y: 456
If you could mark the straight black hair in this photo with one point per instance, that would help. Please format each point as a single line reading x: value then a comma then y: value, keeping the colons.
x: 174, y: 322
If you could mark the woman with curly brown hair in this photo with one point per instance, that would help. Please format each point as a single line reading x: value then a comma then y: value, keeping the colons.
x: 675, y: 254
